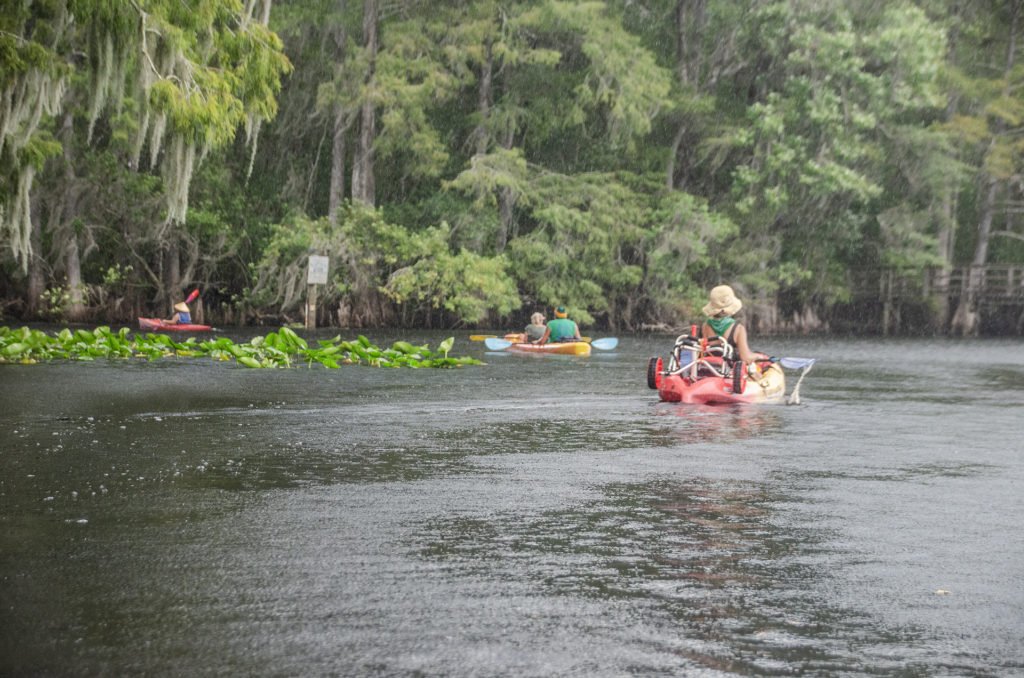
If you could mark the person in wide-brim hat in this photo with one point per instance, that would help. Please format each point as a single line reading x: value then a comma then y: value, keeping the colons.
x: 722, y: 301
x: 720, y: 325
x: 182, y: 315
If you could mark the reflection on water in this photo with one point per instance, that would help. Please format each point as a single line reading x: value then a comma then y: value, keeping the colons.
x: 1002, y: 378
x: 565, y: 434
x: 701, y: 556
x: 720, y: 423
x: 910, y: 473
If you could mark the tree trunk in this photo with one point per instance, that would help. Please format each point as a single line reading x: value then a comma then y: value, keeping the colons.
x: 947, y: 240
x: 682, y: 20
x: 967, y: 319
x: 337, y: 193
x: 506, y: 203
x: 172, y: 276
x: 485, y: 101
x: 338, y: 146
x: 689, y: 19
x: 673, y: 155
x: 36, y: 273
x: 73, y: 266
x: 485, y: 98
x: 363, y: 182
x: 75, y: 311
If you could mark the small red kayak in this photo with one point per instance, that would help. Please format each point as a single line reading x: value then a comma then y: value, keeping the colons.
x: 158, y: 325
x: 707, y: 373
x: 713, y: 385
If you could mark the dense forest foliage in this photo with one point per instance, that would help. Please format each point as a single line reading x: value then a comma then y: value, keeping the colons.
x: 467, y: 162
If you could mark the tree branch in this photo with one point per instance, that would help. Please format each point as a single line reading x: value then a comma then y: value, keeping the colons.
x: 1009, y: 234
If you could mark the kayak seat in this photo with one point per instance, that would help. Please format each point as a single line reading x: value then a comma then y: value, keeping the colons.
x: 717, y: 360
x: 717, y: 346
x: 685, y: 350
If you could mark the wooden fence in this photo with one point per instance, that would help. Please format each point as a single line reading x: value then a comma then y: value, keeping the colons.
x: 992, y: 285
x: 994, y: 292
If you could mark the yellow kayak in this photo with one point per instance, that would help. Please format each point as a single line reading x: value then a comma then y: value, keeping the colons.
x: 520, y: 344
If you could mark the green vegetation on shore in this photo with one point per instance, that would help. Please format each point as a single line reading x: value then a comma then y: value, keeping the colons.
x: 465, y: 163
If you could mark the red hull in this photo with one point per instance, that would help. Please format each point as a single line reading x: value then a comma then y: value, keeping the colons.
x: 718, y: 390
x: 158, y: 325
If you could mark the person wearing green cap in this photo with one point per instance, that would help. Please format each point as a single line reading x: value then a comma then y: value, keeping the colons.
x: 561, y: 328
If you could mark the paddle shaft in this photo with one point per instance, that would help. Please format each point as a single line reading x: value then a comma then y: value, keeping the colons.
x: 604, y: 344
x: 484, y: 337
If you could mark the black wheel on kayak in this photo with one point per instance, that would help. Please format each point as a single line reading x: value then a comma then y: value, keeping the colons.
x: 652, y: 373
x: 737, y: 377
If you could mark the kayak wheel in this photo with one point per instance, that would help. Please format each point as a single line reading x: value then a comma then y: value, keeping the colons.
x: 653, y: 372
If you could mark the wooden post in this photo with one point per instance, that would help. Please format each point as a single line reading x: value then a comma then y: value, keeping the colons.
x: 317, y: 275
x: 311, y: 307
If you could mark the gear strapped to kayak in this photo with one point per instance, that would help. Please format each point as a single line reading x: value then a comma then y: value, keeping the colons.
x: 707, y: 370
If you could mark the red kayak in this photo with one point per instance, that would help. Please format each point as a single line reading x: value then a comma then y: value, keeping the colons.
x: 715, y: 385
x: 701, y: 373
x: 158, y: 325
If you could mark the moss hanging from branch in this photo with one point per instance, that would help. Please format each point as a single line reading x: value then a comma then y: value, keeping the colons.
x: 202, y: 70
x: 33, y: 78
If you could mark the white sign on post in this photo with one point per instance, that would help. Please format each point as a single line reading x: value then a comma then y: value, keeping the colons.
x: 317, y: 270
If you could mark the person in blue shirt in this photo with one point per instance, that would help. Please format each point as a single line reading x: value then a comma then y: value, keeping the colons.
x: 182, y: 316
x: 561, y: 328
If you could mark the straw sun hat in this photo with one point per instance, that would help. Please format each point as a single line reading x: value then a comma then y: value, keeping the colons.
x: 722, y: 300
x: 181, y: 306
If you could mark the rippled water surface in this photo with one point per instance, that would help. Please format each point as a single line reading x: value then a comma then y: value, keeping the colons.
x: 535, y: 516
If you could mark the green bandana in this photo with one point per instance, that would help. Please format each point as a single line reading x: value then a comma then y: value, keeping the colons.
x: 721, y: 325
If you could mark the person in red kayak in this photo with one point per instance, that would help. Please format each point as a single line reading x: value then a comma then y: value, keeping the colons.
x: 720, y: 325
x: 182, y: 316
x: 561, y: 328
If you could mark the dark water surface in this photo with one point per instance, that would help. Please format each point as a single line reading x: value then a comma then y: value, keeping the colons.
x: 539, y: 516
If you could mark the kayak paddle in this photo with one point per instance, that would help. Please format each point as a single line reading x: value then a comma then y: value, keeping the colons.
x: 484, y: 337
x: 495, y: 344
x: 796, y: 363
x: 192, y: 297
x: 804, y: 364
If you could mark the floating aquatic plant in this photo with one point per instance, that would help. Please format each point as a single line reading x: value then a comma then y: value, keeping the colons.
x: 283, y: 348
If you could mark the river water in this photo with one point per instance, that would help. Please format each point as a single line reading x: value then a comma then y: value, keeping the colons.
x: 537, y: 516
